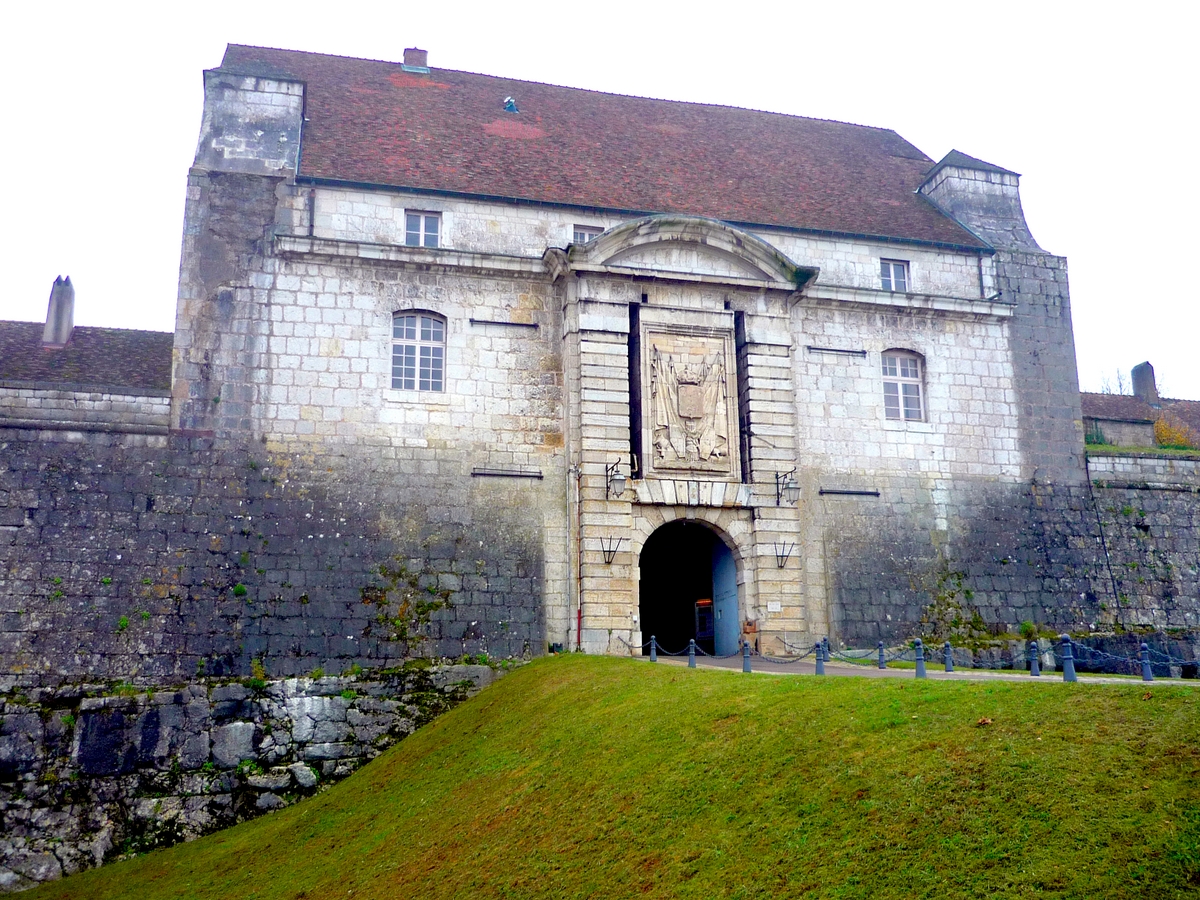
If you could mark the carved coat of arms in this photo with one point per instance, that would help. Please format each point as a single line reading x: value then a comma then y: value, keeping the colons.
x: 690, y: 410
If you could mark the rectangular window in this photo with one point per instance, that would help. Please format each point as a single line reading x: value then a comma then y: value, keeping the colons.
x: 585, y: 233
x: 894, y: 274
x: 418, y: 353
x: 422, y: 229
x: 902, y: 379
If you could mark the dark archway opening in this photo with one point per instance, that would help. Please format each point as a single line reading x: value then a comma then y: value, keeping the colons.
x: 688, y: 589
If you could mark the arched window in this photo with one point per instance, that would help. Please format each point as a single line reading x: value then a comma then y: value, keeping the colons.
x: 418, y: 352
x: 903, y: 386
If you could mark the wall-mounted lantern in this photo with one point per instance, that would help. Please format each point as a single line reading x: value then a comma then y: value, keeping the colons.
x: 614, y: 480
x: 609, y: 547
x: 786, y: 487
x: 782, y: 552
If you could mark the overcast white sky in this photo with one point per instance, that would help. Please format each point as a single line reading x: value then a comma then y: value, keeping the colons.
x: 100, y: 109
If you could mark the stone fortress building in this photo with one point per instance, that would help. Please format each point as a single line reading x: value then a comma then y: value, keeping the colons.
x: 467, y: 368
x: 464, y: 364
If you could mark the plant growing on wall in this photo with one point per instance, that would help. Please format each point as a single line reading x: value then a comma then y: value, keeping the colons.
x: 1094, y: 435
x: 950, y: 614
x: 405, y: 607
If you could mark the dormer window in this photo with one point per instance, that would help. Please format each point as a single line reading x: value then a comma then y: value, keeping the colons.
x: 422, y: 229
x: 894, y: 273
x: 585, y: 233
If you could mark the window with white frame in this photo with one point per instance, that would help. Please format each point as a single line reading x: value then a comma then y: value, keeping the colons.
x: 422, y: 229
x: 418, y: 352
x: 894, y: 274
x: 585, y: 233
x: 903, y: 386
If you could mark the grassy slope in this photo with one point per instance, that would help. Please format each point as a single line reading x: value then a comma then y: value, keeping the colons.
x: 578, y: 777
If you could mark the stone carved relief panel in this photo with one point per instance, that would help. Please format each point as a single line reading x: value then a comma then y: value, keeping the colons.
x: 689, y: 404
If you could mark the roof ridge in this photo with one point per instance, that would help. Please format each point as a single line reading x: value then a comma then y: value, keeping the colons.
x: 753, y: 109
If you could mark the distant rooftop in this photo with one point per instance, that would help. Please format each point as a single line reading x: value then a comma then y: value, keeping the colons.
x: 135, y: 361
x: 1127, y: 408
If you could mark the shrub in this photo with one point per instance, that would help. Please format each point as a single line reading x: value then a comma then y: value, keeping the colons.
x: 1169, y: 432
x: 1028, y: 630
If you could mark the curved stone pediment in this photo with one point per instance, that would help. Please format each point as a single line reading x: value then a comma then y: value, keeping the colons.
x: 693, y: 246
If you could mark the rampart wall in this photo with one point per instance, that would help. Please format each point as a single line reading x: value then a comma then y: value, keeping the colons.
x: 1121, y: 553
x: 166, y: 563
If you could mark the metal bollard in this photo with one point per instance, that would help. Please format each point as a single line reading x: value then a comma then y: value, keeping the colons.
x: 825, y: 648
x: 820, y: 659
x: 1068, y: 658
x: 653, y: 649
x: 1147, y: 674
x: 1035, y: 666
x: 745, y: 656
x: 948, y: 654
x: 920, y: 659
x: 692, y: 653
x: 882, y: 664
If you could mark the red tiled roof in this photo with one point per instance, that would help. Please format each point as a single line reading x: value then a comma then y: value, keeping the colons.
x: 1118, y: 407
x: 123, y: 358
x: 374, y: 123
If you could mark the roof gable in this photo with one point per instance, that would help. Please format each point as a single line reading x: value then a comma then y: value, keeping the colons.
x: 371, y: 122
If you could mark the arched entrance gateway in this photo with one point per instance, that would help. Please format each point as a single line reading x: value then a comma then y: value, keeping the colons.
x: 688, y: 589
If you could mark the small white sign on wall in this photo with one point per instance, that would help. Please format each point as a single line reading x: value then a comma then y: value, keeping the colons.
x: 774, y: 606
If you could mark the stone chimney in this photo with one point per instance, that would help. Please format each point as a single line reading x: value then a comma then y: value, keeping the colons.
x: 983, y: 197
x: 1144, y: 387
x: 60, y: 316
x: 416, y: 59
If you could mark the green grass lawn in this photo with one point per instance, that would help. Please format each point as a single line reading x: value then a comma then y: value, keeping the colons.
x: 593, y: 777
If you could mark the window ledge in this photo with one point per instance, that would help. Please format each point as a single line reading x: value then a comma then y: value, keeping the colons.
x: 908, y: 425
x: 396, y: 397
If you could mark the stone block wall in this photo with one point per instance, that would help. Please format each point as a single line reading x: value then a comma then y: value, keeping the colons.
x: 969, y: 393
x: 1121, y: 434
x: 193, y: 559
x: 478, y: 226
x: 1119, y: 554
x: 1050, y: 420
x: 1149, y: 507
x: 65, y: 407
x: 91, y: 772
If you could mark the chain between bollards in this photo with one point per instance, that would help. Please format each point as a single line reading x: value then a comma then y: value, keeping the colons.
x: 1068, y: 663
x: 947, y: 657
x: 1035, y: 667
x: 920, y: 658
x: 745, y: 656
x: 1144, y: 653
x: 692, y: 653
x: 653, y: 649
